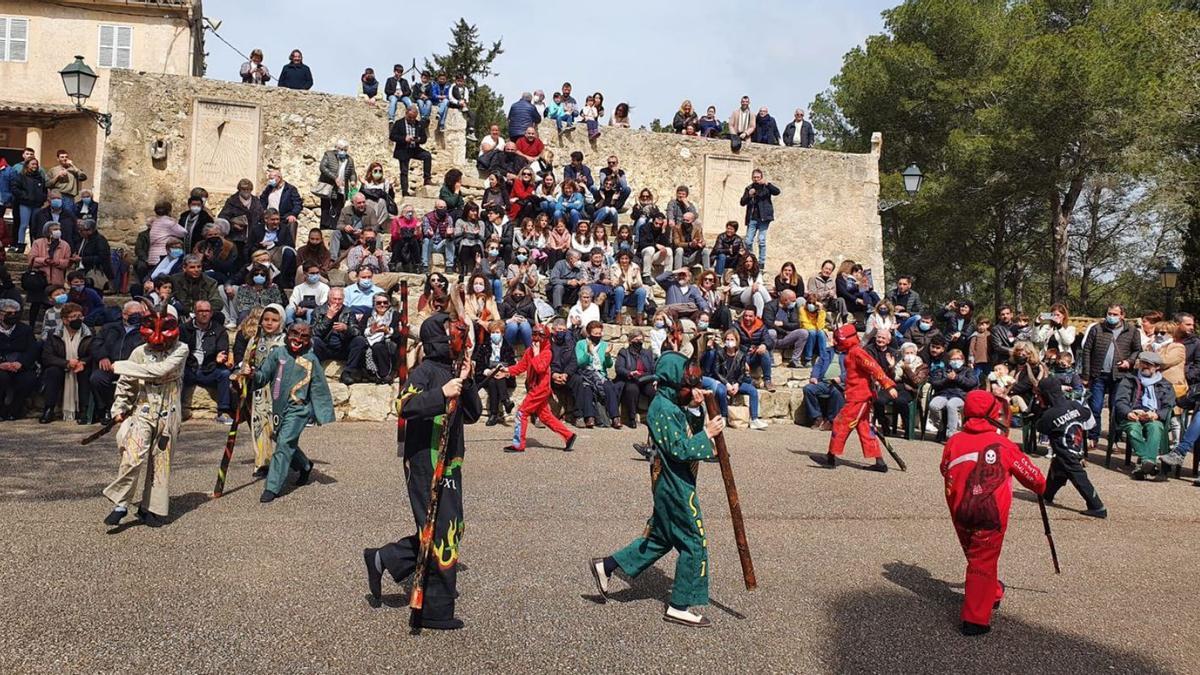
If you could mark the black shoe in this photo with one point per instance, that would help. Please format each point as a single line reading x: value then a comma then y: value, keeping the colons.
x: 441, y: 624
x: 261, y: 472
x: 114, y: 517
x: 973, y: 629
x: 267, y: 497
x: 302, y: 479
x: 348, y: 377
x: 1101, y: 512
x: 570, y: 443
x: 513, y: 448
x: 879, y: 466
x: 373, y: 579
x: 47, y: 416
x: 149, y: 519
x: 508, y: 407
x: 829, y: 461
x: 492, y: 421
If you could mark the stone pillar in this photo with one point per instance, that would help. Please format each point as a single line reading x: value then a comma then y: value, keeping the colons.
x: 33, y: 139
x: 452, y: 141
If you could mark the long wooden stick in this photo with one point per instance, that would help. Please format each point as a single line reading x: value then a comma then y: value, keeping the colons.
x: 402, y: 362
x: 1049, y: 537
x: 735, y: 504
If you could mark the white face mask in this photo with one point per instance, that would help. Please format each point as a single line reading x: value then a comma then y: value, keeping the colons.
x: 730, y: 344
x: 478, y: 288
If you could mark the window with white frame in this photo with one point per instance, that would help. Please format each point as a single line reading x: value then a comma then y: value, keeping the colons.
x: 14, y: 38
x: 116, y: 46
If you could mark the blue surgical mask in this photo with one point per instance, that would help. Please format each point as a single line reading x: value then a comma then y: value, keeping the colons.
x: 60, y: 299
x: 342, y: 154
x: 271, y: 183
x: 1112, y: 320
x: 364, y: 284
x: 56, y: 203
x: 175, y: 253
x: 492, y: 252
x: 925, y: 325
x: 521, y: 257
x: 497, y: 338
x: 702, y: 325
x: 313, y: 278
x: 259, y: 279
x: 811, y: 307
x: 86, y: 201
x: 956, y: 363
x: 659, y: 325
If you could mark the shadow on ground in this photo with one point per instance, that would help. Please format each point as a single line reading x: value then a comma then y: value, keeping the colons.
x: 915, y: 629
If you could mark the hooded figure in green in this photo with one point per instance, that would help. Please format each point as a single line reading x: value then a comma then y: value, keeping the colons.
x: 681, y: 440
x: 298, y: 391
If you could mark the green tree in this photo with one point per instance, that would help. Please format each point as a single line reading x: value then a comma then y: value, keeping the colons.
x: 469, y: 57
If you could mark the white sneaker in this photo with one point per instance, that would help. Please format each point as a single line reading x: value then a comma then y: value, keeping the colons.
x: 758, y: 424
x: 685, y: 617
x: 930, y: 427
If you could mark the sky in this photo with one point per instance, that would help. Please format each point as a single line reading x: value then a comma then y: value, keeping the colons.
x: 650, y: 54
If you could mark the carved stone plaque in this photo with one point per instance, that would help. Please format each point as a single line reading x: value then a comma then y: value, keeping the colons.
x: 724, y: 179
x: 226, y: 138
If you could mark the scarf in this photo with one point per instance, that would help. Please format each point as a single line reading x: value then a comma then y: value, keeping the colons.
x: 1149, y: 400
x: 70, y: 400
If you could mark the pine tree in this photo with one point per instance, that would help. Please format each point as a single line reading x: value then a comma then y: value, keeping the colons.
x: 469, y: 57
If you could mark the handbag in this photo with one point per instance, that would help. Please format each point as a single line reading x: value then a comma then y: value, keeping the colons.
x: 323, y: 190
x: 34, y: 282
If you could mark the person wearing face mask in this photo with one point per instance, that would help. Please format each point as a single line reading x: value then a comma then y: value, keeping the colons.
x: 299, y: 395
x: 491, y: 357
x: 56, y: 297
x: 950, y: 387
x: 369, y: 252
x: 307, y: 296
x: 57, y: 210
x: 1110, y: 348
x: 87, y: 208
x: 406, y: 240
x: 51, y: 257
x: 910, y: 374
x: 1142, y: 404
x: 64, y: 376
x: 379, y: 191
x: 282, y: 196
x: 373, y: 349
x: 18, y: 361
x: 922, y: 331
x: 633, y: 365
x: 313, y: 252
x: 593, y: 359
x: 493, y: 268
x: 813, y: 319
x: 336, y: 176
x: 194, y: 219
x: 727, y: 372
x: 218, y: 255
x: 257, y: 291
x: 566, y: 280
x: 361, y: 296
x: 278, y: 240
x: 169, y: 264
x: 94, y: 255
x: 81, y: 294
x: 519, y: 314
x: 522, y: 270
x: 148, y: 408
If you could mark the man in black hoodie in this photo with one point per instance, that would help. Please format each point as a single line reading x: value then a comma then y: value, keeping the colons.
x: 1066, y: 423
x: 422, y: 403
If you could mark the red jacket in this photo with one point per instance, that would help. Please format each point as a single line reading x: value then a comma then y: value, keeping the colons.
x: 537, y: 374
x: 861, y: 372
x: 979, y: 495
x: 516, y: 195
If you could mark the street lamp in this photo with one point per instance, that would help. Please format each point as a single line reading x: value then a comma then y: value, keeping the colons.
x: 79, y: 80
x: 1168, y: 278
x: 912, y: 184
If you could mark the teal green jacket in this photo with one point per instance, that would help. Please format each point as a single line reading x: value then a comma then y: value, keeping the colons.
x: 297, y: 384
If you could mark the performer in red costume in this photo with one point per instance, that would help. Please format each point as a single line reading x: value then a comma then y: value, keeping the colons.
x: 535, y: 363
x: 862, y: 372
x: 978, y: 464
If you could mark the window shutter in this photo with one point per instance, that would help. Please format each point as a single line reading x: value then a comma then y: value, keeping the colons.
x: 3, y: 39
x: 18, y: 39
x: 124, y: 47
x: 107, y: 46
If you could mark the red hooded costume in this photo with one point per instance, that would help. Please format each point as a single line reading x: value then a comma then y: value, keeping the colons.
x: 862, y: 372
x: 537, y: 400
x: 977, y: 464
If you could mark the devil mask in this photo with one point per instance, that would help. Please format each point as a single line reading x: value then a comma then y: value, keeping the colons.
x: 299, y: 339
x: 160, y: 329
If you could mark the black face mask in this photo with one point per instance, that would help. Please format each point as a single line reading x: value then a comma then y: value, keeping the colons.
x: 370, y: 244
x: 595, y: 339
x: 214, y: 239
x: 134, y: 320
x: 635, y: 346
x: 75, y: 324
x: 560, y: 337
x: 9, y: 319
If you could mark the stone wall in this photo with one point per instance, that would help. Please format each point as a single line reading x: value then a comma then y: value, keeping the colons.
x: 828, y: 206
x: 827, y: 209
x: 294, y: 130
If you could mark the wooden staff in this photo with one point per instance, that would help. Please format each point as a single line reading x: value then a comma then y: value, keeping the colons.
x: 402, y: 362
x: 735, y: 504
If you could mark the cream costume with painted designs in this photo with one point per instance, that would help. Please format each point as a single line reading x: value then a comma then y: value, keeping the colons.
x: 148, y: 393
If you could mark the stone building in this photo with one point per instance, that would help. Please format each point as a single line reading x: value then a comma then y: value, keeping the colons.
x: 38, y: 38
x: 216, y: 133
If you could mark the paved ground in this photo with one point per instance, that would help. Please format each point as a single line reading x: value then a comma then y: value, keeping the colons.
x: 857, y: 571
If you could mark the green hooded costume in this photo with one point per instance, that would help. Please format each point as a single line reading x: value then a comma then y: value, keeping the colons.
x: 298, y: 390
x: 679, y: 438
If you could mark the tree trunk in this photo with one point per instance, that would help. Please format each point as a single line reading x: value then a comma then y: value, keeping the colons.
x: 1061, y: 206
x: 1188, y: 292
x: 997, y: 259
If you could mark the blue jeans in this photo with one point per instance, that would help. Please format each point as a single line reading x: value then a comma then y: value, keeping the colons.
x: 719, y: 265
x: 559, y: 119
x: 445, y: 247
x: 906, y: 324
x: 816, y: 339
x: 722, y: 394
x: 292, y: 318
x: 26, y: 219
x: 758, y: 230
x: 393, y: 101
x: 1100, y: 385
x: 442, y: 108
x: 514, y: 331
x: 425, y: 108
x: 569, y: 216
x: 762, y: 361
x: 833, y: 397
x: 605, y: 214
x: 982, y: 370
x: 498, y: 290
x: 217, y: 378
x: 637, y: 300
